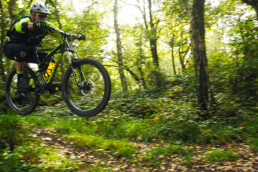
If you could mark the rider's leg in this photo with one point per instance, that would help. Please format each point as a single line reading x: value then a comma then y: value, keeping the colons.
x: 19, y: 68
x: 19, y: 53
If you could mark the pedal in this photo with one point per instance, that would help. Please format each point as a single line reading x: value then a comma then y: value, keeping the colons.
x: 39, y: 89
x: 55, y: 87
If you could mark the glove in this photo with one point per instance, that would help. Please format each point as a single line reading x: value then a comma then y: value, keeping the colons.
x: 40, y: 25
x: 72, y: 37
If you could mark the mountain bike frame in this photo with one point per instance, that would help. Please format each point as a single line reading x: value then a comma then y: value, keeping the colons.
x: 62, y: 48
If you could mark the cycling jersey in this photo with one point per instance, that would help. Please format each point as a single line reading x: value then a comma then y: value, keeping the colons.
x: 18, y: 47
x: 28, y: 37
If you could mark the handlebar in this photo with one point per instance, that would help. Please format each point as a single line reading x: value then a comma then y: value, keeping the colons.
x: 81, y: 36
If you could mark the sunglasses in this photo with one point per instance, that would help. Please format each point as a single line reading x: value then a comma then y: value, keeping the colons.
x: 42, y: 15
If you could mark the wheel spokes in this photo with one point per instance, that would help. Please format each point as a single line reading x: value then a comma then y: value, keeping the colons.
x: 91, y: 90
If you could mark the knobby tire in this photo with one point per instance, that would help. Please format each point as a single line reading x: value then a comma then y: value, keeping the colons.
x: 22, y: 103
x: 90, y: 101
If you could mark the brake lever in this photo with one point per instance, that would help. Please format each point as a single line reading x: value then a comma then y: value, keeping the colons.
x: 82, y: 37
x: 51, y: 29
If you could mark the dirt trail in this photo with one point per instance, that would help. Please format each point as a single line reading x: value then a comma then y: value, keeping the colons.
x: 247, y: 161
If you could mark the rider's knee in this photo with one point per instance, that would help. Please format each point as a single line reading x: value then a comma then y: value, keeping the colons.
x: 17, y: 52
x: 21, y: 53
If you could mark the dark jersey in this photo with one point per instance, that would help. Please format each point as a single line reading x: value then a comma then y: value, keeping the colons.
x: 29, y: 37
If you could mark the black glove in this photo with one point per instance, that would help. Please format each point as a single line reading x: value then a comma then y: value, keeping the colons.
x: 82, y: 37
x: 40, y: 25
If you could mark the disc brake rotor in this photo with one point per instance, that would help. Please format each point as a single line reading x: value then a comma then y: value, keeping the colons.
x: 87, y: 87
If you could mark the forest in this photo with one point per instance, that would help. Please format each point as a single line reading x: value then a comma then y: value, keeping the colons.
x: 184, y: 89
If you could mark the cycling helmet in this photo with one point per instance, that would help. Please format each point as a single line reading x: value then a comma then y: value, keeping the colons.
x: 39, y: 8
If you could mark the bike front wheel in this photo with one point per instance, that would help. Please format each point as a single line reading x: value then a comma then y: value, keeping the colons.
x: 86, y: 87
x: 21, y: 102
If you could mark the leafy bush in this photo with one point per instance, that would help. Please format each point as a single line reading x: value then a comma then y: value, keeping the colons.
x: 141, y: 104
x: 219, y: 155
x: 117, y: 147
x: 156, y: 79
x: 157, y: 154
x: 3, y: 107
x: 11, y: 131
x: 33, y: 157
x: 254, y: 144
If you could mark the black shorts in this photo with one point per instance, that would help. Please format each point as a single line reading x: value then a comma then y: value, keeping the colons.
x: 22, y: 53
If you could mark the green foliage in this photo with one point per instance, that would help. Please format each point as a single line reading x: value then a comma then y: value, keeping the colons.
x: 117, y: 147
x: 254, y: 144
x: 11, y: 131
x: 156, y: 155
x: 34, y: 157
x: 156, y: 78
x: 160, y: 107
x: 246, y: 71
x: 138, y: 105
x: 220, y: 155
x: 2, y: 97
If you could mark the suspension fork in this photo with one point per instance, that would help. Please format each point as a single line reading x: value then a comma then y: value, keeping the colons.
x: 74, y: 65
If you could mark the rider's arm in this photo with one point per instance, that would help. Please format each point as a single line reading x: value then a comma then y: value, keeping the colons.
x: 26, y: 24
x: 23, y: 25
x: 55, y: 34
x: 58, y: 35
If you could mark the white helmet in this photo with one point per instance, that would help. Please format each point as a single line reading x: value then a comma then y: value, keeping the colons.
x: 39, y: 8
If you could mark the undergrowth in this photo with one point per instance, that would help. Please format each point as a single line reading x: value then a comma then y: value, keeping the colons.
x: 168, y: 116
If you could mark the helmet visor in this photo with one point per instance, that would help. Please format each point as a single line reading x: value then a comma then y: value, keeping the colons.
x: 41, y: 15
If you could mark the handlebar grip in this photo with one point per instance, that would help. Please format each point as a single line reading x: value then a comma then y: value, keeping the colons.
x: 66, y: 34
x: 81, y: 37
x: 51, y: 29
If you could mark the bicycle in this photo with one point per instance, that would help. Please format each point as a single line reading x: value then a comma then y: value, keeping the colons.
x: 86, y: 85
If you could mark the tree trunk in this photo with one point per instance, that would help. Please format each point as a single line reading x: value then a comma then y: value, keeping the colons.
x: 181, y: 58
x: 173, y: 60
x: 197, y: 34
x: 2, y: 43
x: 135, y: 77
x: 182, y: 55
x: 11, y: 6
x: 204, y: 96
x: 153, y: 38
x: 142, y: 77
x: 29, y: 4
x: 143, y: 11
x: 119, y: 49
x: 172, y: 53
x: 140, y: 63
x: 56, y: 13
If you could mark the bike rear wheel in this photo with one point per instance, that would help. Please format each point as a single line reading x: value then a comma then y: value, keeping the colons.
x: 21, y: 102
x: 91, y: 96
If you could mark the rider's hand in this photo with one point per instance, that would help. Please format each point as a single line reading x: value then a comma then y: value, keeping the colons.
x: 40, y: 25
x: 72, y: 37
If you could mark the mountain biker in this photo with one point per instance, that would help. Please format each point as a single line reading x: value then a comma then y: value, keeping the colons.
x: 27, y: 33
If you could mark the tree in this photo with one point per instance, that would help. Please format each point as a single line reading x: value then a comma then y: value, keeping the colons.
x: 11, y: 9
x: 176, y: 29
x: 246, y: 46
x: 153, y: 37
x: 11, y: 6
x: 254, y: 4
x: 2, y: 42
x: 152, y: 30
x: 172, y: 45
x: 197, y: 34
x: 119, y: 49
